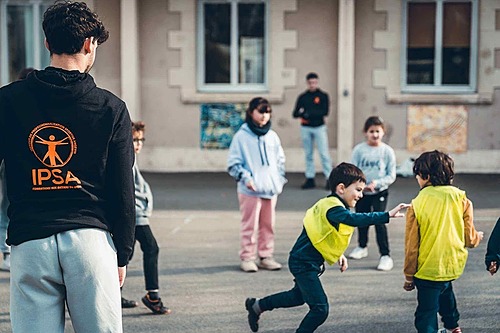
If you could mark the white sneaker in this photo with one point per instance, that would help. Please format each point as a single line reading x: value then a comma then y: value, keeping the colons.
x: 269, y: 264
x: 385, y: 263
x: 248, y: 266
x: 358, y: 253
x: 6, y: 263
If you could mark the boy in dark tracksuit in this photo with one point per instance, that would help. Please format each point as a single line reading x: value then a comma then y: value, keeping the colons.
x: 144, y: 234
x: 328, y: 227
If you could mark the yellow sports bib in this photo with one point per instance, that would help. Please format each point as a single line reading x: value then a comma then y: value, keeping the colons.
x: 330, y: 241
x: 439, y: 211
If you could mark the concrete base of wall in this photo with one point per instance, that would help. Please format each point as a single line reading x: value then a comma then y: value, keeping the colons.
x: 160, y: 159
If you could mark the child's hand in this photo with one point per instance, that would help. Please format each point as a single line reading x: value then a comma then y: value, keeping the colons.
x: 370, y: 187
x: 409, y: 285
x: 493, y: 268
x: 122, y: 273
x: 251, y: 186
x: 342, y: 263
x: 480, y: 234
x: 395, y: 211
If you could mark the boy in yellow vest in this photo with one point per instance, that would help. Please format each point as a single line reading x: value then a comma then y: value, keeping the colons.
x: 439, y: 228
x: 328, y: 227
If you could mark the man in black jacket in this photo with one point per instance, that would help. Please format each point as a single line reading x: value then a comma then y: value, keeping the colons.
x: 68, y: 154
x: 312, y: 107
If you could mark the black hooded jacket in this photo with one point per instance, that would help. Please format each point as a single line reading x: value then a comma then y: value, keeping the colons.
x: 68, y: 153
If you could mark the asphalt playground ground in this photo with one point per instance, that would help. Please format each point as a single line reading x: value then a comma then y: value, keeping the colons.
x: 196, y: 223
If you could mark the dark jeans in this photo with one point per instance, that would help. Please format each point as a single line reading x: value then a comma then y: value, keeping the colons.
x: 368, y: 204
x: 150, y: 251
x: 434, y: 297
x: 307, y: 289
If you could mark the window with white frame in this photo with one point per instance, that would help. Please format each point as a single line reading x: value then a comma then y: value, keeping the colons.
x: 232, y: 45
x: 21, y: 37
x: 439, y: 46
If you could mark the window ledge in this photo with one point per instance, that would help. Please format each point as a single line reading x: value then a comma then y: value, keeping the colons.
x: 198, y: 98
x: 440, y: 98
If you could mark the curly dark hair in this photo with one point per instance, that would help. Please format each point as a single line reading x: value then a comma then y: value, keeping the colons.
x: 138, y: 126
x: 67, y: 24
x: 345, y: 173
x: 435, y: 165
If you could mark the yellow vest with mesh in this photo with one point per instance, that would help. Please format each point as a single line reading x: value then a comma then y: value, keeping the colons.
x: 439, y: 211
x: 327, y: 239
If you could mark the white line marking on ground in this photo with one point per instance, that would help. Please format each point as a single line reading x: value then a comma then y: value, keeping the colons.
x: 186, y: 221
x: 175, y: 230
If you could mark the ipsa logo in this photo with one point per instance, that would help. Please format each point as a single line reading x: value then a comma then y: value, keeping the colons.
x: 53, y: 145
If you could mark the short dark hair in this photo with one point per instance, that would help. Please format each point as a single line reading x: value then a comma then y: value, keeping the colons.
x: 256, y: 103
x: 345, y: 173
x: 435, y: 165
x: 67, y: 24
x: 373, y: 121
x: 138, y: 126
x: 312, y: 75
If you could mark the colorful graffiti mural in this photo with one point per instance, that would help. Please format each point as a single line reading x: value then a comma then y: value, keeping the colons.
x: 219, y: 122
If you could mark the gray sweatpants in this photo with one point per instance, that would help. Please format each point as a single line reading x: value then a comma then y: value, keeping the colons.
x: 77, y: 267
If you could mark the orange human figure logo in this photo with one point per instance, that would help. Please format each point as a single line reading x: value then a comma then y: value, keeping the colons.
x: 52, y: 154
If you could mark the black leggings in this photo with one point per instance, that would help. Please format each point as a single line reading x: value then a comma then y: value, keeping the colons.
x: 374, y: 203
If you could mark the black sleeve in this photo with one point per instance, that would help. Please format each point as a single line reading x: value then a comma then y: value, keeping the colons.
x: 120, y: 187
x: 3, y: 109
x: 342, y: 215
x: 326, y: 105
x: 298, y: 105
x: 493, y: 249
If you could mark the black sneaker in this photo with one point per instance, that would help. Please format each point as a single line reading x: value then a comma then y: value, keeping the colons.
x: 309, y: 183
x: 128, y: 304
x: 253, y: 318
x: 155, y: 305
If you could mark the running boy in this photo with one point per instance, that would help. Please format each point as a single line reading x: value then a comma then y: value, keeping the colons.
x: 328, y: 227
x: 439, y: 227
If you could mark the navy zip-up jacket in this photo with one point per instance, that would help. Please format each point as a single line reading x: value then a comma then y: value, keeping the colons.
x: 68, y: 152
